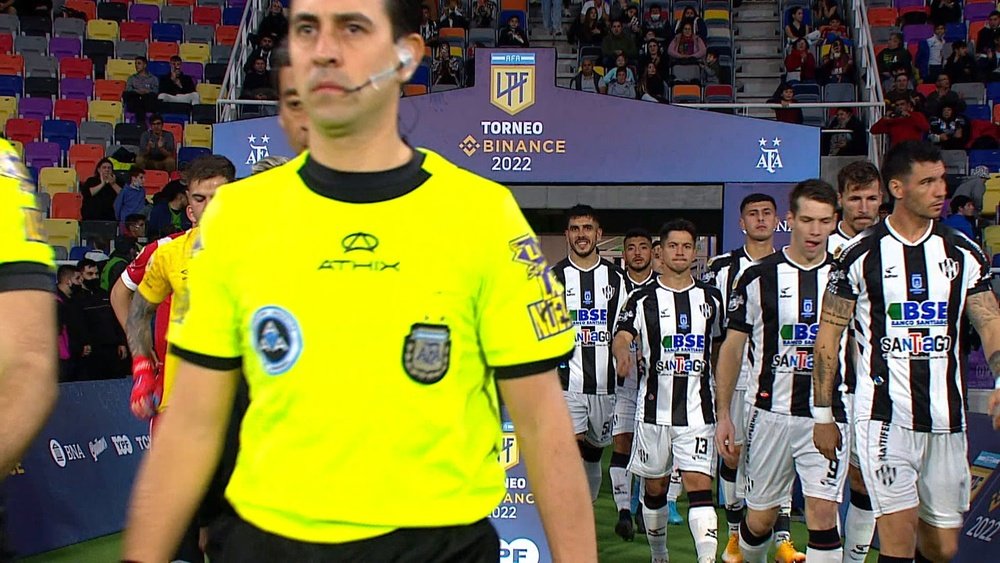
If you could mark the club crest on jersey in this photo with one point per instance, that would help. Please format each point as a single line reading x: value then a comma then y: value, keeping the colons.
x: 608, y: 291
x: 427, y: 352
x: 276, y: 339
x: 735, y: 302
x: 682, y: 321
x: 808, y: 308
x: 588, y: 298
x: 950, y: 268
x: 917, y: 284
x: 706, y: 310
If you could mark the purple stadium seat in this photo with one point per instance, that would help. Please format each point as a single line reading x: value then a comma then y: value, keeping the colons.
x: 195, y: 70
x: 35, y: 108
x: 918, y: 32
x: 42, y: 155
x: 978, y: 12
x: 76, y: 88
x: 60, y: 47
x: 900, y: 4
x: 145, y: 13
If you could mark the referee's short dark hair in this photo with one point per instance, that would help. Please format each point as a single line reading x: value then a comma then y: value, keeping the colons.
x: 405, y: 16
x: 814, y: 189
x: 65, y: 271
x: 209, y: 166
x: 581, y: 210
x: 856, y: 174
x: 757, y: 198
x: 678, y: 225
x: 638, y: 232
x: 899, y: 160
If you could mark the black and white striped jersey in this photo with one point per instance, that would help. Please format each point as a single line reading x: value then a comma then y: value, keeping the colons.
x: 630, y: 385
x: 910, y: 298
x: 594, y: 298
x: 674, y: 331
x: 848, y: 348
x: 838, y: 240
x: 722, y: 272
x: 777, y: 303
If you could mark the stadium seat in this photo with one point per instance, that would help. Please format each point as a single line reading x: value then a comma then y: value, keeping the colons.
x: 195, y: 70
x: 839, y: 92
x: 206, y: 15
x: 8, y: 109
x: 175, y: 129
x: 209, y: 93
x: 109, y: 90
x: 232, y: 16
x: 118, y: 69
x: 144, y: 13
x: 978, y: 111
x: 188, y: 154
x: 108, y: 112
x: 971, y: 92
x: 23, y: 130
x: 152, y: 2
x: 128, y: 133
x: 882, y: 16
x: 60, y: 131
x: 194, y: 33
x: 63, y: 233
x: 71, y: 110
x: 196, y: 52
x: 226, y: 35
x: 12, y: 65
x: 98, y: 51
x: 69, y: 27
x: 10, y: 24
x: 158, y: 68
x: 129, y: 50
x: 168, y: 32
x: 42, y: 155
x: 38, y: 26
x: 203, y: 113
x: 73, y: 67
x: 55, y: 180
x: 956, y: 162
x: 14, y: 86
x: 41, y: 86
x: 85, y: 153
x: 162, y: 51
x: 96, y: 133
x: 155, y: 180
x: 105, y: 30
x: 180, y: 15
x: 215, y: 73
x: 197, y: 135
x: 63, y: 47
x: 414, y: 89
x: 114, y: 11
x: 36, y: 65
x: 134, y: 31
x: 221, y: 53
x: 685, y: 94
x: 977, y: 12
x: 88, y: 8
x: 6, y: 43
x: 188, y: 3
x: 30, y: 45
x: 35, y: 108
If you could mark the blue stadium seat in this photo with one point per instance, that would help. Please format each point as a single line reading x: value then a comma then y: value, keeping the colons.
x: 79, y: 252
x: 955, y: 32
x: 59, y: 131
x: 11, y: 86
x: 978, y: 111
x: 988, y: 158
x: 232, y: 16
x: 187, y: 154
x: 159, y: 68
x: 168, y: 32
x: 507, y: 14
x: 993, y: 92
x: 422, y: 76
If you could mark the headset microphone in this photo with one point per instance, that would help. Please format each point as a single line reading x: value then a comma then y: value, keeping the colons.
x: 375, y: 80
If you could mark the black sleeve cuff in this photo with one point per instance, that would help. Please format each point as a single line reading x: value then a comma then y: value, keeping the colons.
x: 211, y: 362
x: 15, y: 276
x: 740, y: 327
x: 531, y: 368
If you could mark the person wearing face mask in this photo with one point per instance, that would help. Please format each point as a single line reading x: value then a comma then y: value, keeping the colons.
x: 68, y: 322
x: 656, y: 22
x: 104, y: 352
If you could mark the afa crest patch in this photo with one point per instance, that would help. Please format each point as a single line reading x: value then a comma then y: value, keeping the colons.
x: 276, y: 338
x: 427, y: 352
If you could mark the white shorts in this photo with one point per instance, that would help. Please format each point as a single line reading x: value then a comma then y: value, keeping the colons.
x: 626, y: 397
x: 738, y: 414
x: 657, y: 450
x: 591, y: 415
x: 777, y: 448
x: 904, y: 469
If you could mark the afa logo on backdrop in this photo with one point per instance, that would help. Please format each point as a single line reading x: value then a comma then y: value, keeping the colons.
x: 512, y: 81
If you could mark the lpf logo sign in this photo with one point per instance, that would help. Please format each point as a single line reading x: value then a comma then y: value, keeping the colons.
x: 512, y: 81
x: 510, y: 455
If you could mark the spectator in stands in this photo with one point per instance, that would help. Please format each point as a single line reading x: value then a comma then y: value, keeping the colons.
x: 169, y: 212
x: 960, y: 65
x: 800, y: 64
x: 826, y: 11
x: 622, y: 87
x: 484, y: 14
x: 654, y: 54
x: 291, y: 114
x: 512, y: 35
x: 786, y: 96
x: 257, y: 84
x: 989, y: 62
x: 690, y: 15
x: 132, y: 198
x: 8, y: 7
x: 894, y: 56
x: 157, y: 147
x: 603, y: 9
x: 633, y: 21
x: 452, y: 16
x: 99, y: 192
x: 833, y: 30
x: 177, y: 87
x: 902, y: 123
x: 140, y: 91
x: 265, y: 47
x: 590, y: 30
x: 68, y: 281
x: 845, y: 144
x: 618, y: 10
x: 552, y: 11
x: 963, y: 216
x: 586, y: 80
x: 274, y: 24
x: 125, y: 250
x: 618, y: 42
x: 796, y: 27
x: 652, y: 88
x: 902, y: 89
x: 975, y: 186
x: 656, y: 22
x: 103, y: 341
x: 446, y: 69
x: 838, y: 65
x: 711, y: 69
x: 986, y: 38
x: 611, y: 74
x: 943, y: 94
x: 945, y: 11
x: 135, y: 227
x: 428, y: 27
x: 686, y: 48
x: 935, y: 51
x: 949, y: 129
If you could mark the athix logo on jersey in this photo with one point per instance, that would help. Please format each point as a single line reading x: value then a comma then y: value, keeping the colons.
x: 427, y: 352
x: 799, y: 334
x: 512, y: 81
x: 950, y: 268
x: 917, y: 284
x: 918, y: 313
x: 276, y: 339
x: 365, y: 242
x: 808, y: 308
x: 770, y: 158
x: 590, y: 317
x: 258, y: 151
x: 683, y: 343
x: 916, y: 344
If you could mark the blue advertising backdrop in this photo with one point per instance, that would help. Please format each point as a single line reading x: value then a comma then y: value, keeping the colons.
x: 516, y: 126
x: 516, y: 519
x: 74, y: 482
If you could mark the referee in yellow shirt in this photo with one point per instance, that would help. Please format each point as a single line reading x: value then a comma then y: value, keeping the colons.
x: 28, y: 386
x: 372, y: 357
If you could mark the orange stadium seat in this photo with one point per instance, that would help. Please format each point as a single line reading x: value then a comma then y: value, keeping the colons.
x: 71, y: 110
x: 176, y: 129
x: 414, y: 89
x: 109, y: 90
x: 882, y: 16
x: 88, y: 8
x: 206, y: 15
x: 66, y: 205
x: 226, y: 34
x: 12, y: 65
x: 134, y: 31
x: 189, y: 3
x: 162, y: 50
x: 83, y: 157
x: 514, y: 5
x: 155, y: 180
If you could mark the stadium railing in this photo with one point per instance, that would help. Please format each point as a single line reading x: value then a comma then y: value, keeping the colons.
x: 233, y: 81
x: 870, y: 83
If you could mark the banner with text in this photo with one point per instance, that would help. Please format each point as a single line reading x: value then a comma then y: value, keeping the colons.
x: 980, y: 534
x: 516, y: 518
x: 74, y: 482
x: 732, y: 234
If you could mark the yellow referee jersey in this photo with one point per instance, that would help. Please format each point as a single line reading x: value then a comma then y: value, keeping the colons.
x: 26, y: 260
x: 167, y: 274
x: 370, y: 314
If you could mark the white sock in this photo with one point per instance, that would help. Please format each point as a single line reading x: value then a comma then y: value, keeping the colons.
x: 704, y: 524
x: 753, y: 553
x: 656, y: 530
x: 674, y: 489
x: 594, y: 476
x: 824, y: 556
x: 783, y: 525
x: 733, y: 503
x: 621, y: 487
x: 859, y: 529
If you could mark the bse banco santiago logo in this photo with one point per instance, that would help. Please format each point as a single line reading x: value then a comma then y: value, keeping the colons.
x: 770, y: 158
x: 258, y: 151
x: 512, y: 81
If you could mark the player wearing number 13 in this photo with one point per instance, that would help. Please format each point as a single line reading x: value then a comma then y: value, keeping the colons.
x: 672, y: 322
